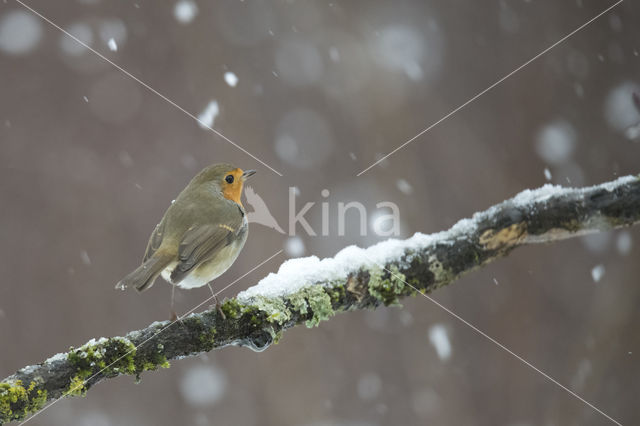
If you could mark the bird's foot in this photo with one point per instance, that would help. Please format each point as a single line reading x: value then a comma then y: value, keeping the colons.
x: 175, y: 317
x: 218, y: 307
x: 217, y: 303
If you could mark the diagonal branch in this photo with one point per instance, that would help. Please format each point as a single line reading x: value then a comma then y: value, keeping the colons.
x: 309, y: 290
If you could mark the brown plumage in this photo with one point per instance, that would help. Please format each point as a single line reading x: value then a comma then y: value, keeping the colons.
x: 200, y: 234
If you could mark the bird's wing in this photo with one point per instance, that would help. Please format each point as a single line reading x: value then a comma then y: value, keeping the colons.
x: 154, y: 241
x: 203, y: 242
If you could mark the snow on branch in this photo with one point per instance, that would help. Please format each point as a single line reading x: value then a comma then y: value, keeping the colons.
x: 310, y: 290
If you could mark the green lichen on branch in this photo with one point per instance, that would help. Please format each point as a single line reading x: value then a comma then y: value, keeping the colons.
x: 311, y: 305
x: 84, y: 366
x: 231, y: 308
x: 387, y: 285
x: 109, y: 358
x: 258, y: 322
x: 76, y: 386
x: 319, y: 303
x: 274, y: 308
x: 16, y: 401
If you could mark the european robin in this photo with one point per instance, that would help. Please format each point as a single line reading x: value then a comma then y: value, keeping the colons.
x: 200, y: 234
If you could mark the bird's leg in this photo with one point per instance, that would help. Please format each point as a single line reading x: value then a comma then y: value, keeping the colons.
x: 217, y: 304
x: 174, y: 316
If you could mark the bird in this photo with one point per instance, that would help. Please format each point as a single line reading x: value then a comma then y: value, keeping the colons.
x: 200, y: 235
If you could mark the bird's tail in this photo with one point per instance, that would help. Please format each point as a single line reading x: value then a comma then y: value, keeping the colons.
x: 144, y: 276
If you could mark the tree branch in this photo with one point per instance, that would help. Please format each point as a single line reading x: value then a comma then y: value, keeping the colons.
x: 309, y: 290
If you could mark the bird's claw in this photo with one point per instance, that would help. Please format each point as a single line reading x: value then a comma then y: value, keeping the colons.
x: 218, y: 307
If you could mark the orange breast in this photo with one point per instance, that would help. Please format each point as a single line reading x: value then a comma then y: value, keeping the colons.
x: 233, y: 191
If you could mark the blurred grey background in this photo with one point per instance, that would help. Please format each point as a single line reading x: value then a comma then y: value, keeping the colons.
x: 89, y: 160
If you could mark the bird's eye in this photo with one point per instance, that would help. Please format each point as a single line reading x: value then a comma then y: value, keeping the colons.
x: 229, y: 178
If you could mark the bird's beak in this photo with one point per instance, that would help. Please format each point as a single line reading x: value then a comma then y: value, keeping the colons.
x: 247, y: 174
